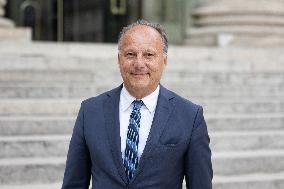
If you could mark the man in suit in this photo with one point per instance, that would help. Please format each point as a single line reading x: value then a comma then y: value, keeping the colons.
x: 139, y: 135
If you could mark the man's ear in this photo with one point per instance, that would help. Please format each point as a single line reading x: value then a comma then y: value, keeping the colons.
x: 118, y: 58
x: 165, y: 60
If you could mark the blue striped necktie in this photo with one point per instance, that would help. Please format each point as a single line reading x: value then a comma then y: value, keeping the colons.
x: 131, y: 151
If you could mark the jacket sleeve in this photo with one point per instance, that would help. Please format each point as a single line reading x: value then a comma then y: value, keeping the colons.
x: 78, y: 165
x: 198, y: 166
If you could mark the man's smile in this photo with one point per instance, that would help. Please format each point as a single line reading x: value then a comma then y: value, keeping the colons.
x: 139, y: 74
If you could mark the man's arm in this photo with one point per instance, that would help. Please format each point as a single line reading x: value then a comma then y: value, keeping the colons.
x: 78, y: 166
x: 198, y: 166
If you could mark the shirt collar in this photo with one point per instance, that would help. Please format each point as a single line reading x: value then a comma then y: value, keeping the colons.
x: 149, y: 101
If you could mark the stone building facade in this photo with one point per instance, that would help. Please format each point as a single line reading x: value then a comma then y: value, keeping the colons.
x: 194, y: 22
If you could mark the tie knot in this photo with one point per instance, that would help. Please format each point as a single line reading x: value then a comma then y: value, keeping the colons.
x: 137, y: 104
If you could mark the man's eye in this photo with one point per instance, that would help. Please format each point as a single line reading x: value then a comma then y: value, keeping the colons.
x: 130, y: 54
x: 149, y: 55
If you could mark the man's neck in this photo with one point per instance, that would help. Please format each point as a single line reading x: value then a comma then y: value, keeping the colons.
x: 140, y: 93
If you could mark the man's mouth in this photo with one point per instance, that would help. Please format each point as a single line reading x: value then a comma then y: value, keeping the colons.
x: 139, y: 74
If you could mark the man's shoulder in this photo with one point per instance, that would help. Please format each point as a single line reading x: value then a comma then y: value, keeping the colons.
x: 101, y: 97
x: 95, y: 99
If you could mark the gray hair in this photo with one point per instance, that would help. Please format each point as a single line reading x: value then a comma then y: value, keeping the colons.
x: 155, y: 26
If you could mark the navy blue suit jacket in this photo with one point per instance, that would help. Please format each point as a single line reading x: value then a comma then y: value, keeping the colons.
x: 177, y: 147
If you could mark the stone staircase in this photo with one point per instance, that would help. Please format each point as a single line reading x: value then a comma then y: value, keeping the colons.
x: 241, y: 90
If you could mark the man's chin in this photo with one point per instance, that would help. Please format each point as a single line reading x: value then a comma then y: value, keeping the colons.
x: 140, y: 76
x: 141, y: 84
x: 140, y: 80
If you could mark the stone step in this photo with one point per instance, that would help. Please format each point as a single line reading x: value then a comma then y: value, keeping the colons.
x: 233, y: 78
x: 214, y: 8
x: 224, y: 78
x: 43, y: 125
x: 4, y: 22
x: 181, y: 76
x: 204, y: 60
x: 239, y: 20
x: 57, y: 145
x: 245, y: 122
x: 54, y: 89
x: 263, y: 181
x: 36, y: 125
x: 243, y: 107
x: 34, y: 146
x: 250, y: 181
x: 243, y: 36
x: 244, y: 91
x: 31, y: 170
x: 53, y: 76
x: 246, y: 29
x: 85, y: 89
x: 15, y: 34
x: 42, y: 107
x: 51, y: 169
x: 248, y: 162
x: 203, y: 99
x: 33, y: 186
x: 106, y: 51
x: 43, y: 62
x: 75, y: 56
x: 63, y: 107
x: 39, y: 107
x: 247, y: 140
x: 235, y: 40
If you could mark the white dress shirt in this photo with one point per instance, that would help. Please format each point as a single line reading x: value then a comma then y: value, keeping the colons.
x: 147, y: 115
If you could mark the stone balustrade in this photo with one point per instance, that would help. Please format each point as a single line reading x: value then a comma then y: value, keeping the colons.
x: 8, y: 31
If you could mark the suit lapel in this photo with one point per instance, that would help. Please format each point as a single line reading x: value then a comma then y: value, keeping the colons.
x: 111, y: 113
x: 162, y: 113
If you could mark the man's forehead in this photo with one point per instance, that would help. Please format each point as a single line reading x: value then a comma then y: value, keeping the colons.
x: 145, y: 48
x: 141, y: 27
x: 142, y: 31
x: 142, y: 36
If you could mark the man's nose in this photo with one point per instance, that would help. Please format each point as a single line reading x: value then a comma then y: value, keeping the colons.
x: 140, y: 61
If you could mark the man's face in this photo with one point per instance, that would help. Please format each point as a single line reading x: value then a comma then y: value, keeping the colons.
x: 141, y: 59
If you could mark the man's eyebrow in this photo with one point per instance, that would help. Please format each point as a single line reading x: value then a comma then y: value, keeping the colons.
x: 143, y: 50
x: 152, y: 50
x: 128, y: 49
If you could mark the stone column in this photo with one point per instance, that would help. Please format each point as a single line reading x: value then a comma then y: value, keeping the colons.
x: 237, y: 23
x: 8, y: 31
